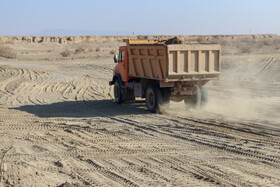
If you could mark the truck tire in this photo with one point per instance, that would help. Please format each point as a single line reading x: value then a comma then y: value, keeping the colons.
x: 194, y: 101
x: 118, y: 92
x: 204, y: 95
x: 153, y: 99
x: 165, y: 96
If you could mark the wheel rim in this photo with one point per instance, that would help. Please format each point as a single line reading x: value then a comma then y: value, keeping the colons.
x: 151, y: 99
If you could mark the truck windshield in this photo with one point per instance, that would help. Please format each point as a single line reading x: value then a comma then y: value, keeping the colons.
x: 121, y: 56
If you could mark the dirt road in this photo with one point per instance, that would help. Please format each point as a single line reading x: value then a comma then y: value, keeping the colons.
x: 60, y: 126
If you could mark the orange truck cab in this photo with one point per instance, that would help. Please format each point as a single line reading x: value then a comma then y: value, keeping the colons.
x: 164, y: 70
x: 122, y: 64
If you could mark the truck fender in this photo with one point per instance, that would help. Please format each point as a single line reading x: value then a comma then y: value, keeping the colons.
x: 116, y: 77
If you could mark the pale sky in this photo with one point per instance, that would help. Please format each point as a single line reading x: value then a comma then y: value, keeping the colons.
x: 116, y: 17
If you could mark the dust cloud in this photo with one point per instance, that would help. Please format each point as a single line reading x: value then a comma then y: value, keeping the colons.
x: 249, y: 91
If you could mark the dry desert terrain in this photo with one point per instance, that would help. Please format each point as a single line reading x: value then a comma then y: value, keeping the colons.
x: 59, y: 125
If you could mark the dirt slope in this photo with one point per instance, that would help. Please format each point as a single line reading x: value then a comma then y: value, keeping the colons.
x: 119, y: 38
x: 59, y: 126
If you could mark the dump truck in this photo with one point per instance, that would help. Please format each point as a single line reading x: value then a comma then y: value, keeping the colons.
x: 164, y: 70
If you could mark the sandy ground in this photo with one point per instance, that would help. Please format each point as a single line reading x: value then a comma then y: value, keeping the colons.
x: 59, y: 125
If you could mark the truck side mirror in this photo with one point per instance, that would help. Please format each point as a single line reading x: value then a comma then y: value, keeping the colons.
x: 115, y: 58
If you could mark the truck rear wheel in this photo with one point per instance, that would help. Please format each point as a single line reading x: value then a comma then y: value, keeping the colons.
x: 165, y: 96
x: 204, y: 95
x: 194, y: 101
x: 153, y: 99
x: 117, y: 92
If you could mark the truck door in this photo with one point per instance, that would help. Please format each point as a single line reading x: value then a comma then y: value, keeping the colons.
x: 122, y: 69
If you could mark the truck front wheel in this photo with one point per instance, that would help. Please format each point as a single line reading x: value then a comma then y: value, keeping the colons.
x: 117, y: 92
x: 153, y: 99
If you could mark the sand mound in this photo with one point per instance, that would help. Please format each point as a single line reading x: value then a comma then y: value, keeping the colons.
x: 80, y: 39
